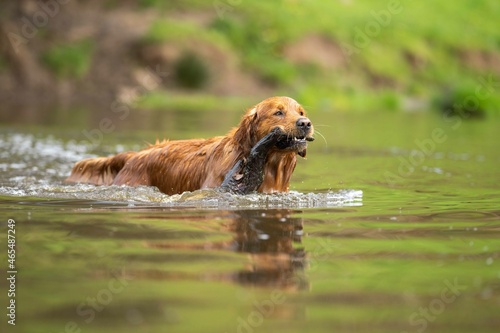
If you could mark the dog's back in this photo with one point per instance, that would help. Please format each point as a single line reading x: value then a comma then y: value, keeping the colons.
x: 172, y: 166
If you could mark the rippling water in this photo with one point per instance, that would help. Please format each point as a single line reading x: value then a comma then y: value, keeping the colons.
x: 36, y: 167
x: 384, y: 231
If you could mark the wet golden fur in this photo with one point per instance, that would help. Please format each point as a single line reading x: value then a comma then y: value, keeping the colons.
x: 188, y: 165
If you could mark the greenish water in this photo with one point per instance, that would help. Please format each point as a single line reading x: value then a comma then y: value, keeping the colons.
x: 393, y: 225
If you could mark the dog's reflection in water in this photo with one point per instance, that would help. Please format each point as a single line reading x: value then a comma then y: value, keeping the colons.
x: 270, y: 238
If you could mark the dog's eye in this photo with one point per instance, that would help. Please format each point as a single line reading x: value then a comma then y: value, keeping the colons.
x: 301, y: 113
x: 279, y: 113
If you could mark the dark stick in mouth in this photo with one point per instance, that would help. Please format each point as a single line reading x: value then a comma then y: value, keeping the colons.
x: 247, y: 174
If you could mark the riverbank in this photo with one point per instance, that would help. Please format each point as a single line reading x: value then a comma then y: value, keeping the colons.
x: 338, y: 56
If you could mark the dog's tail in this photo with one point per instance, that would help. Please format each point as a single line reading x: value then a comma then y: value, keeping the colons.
x: 99, y: 170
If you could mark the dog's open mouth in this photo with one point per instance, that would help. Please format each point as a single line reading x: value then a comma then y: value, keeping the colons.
x: 297, y: 144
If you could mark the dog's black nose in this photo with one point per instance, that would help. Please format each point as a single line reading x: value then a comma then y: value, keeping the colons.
x: 304, y: 124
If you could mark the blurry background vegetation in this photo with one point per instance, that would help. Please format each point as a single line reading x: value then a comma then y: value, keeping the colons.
x: 227, y: 55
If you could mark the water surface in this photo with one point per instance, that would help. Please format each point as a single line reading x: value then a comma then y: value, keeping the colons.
x: 392, y: 225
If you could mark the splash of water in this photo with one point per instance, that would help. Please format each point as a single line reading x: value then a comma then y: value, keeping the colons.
x: 36, y: 167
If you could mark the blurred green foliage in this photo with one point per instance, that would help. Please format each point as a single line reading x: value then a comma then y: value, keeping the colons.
x: 166, y: 5
x: 259, y: 49
x: 194, y: 101
x: 416, y: 52
x: 190, y: 71
x: 382, y: 56
x: 466, y: 101
x: 69, y: 60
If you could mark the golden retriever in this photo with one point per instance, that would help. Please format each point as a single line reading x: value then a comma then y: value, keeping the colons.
x: 266, y: 142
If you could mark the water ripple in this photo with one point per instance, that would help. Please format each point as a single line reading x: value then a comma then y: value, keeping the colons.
x: 206, y: 198
x: 35, y: 167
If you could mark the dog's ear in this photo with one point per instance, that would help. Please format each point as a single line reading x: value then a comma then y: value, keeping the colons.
x: 253, y: 112
x: 246, y: 134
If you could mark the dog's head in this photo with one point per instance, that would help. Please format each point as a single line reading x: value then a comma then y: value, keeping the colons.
x: 282, y: 112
